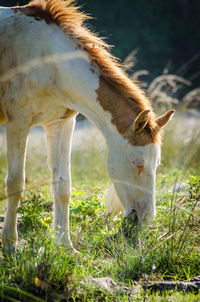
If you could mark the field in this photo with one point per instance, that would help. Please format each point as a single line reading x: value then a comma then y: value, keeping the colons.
x: 108, y: 267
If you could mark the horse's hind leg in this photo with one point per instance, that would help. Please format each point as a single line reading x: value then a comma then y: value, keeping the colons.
x: 17, y: 129
x: 59, y: 150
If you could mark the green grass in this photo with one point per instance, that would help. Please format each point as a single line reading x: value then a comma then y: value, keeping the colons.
x: 166, y: 250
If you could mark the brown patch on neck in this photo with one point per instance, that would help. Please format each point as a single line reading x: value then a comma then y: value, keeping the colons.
x: 124, y: 111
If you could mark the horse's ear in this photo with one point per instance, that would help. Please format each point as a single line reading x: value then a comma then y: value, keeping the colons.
x: 164, y: 119
x: 141, y: 121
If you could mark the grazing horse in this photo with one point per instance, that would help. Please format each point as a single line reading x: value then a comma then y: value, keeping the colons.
x: 51, y: 68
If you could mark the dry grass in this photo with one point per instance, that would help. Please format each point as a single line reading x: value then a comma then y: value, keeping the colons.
x: 165, y: 90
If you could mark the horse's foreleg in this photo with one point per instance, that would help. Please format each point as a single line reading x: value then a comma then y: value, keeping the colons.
x: 17, y: 131
x: 59, y: 150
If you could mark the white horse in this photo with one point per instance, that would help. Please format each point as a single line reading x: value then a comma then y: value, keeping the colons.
x: 52, y: 67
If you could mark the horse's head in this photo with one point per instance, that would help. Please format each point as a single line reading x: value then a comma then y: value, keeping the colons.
x: 132, y: 163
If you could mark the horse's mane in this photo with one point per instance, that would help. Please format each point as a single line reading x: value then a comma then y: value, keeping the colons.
x: 69, y: 17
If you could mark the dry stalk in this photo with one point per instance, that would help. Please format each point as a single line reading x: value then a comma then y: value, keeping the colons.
x: 130, y: 60
x: 190, y: 97
x: 170, y: 80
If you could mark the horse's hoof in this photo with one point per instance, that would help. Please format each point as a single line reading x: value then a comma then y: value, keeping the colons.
x: 67, y: 245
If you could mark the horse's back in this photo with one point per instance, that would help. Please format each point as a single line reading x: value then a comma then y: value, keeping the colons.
x: 24, y: 76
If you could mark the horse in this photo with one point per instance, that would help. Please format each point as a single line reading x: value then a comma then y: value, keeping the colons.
x: 52, y: 67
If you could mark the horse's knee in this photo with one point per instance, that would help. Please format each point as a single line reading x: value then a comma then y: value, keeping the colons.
x: 62, y: 190
x: 62, y: 198
x: 15, y: 184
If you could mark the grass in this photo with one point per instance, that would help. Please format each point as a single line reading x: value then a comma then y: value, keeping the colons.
x: 167, y: 250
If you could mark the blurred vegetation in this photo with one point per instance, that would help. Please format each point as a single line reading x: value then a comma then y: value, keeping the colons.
x: 165, y: 32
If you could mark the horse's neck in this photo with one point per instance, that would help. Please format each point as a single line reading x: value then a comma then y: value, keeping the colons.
x: 97, y: 116
x: 101, y: 103
x: 106, y: 109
